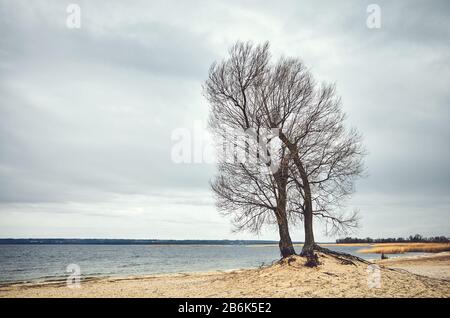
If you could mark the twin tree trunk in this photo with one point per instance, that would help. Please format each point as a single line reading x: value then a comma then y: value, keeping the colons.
x: 310, y: 244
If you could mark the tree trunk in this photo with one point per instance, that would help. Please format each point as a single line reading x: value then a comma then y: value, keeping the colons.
x: 309, y: 244
x: 281, y: 178
x: 285, y: 244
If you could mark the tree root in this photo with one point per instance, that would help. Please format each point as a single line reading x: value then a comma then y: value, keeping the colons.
x: 312, y: 259
x: 346, y: 259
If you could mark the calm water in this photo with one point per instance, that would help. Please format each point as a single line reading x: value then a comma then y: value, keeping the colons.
x: 48, y: 262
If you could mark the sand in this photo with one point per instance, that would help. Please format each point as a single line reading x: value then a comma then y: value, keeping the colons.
x: 434, y: 265
x: 283, y: 279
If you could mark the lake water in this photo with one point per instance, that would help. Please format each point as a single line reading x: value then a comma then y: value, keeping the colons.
x: 49, y: 262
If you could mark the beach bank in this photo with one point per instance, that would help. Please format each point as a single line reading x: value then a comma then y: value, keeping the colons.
x: 283, y: 279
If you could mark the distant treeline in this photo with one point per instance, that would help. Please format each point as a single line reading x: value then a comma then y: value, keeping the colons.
x: 133, y: 242
x: 412, y: 238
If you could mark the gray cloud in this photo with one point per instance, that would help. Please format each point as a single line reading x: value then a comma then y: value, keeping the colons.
x: 86, y: 115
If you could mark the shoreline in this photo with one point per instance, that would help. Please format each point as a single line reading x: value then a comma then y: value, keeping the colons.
x: 92, y: 277
x: 400, y: 277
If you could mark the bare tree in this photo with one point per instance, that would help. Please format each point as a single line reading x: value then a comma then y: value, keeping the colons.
x: 323, y: 158
x: 250, y: 191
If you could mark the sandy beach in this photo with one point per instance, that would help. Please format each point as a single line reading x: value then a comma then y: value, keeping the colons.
x: 426, y: 276
x: 434, y: 265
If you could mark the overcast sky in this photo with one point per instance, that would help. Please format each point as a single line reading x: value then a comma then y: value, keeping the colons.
x: 86, y: 115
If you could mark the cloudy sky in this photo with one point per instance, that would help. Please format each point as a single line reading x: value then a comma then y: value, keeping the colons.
x: 86, y: 114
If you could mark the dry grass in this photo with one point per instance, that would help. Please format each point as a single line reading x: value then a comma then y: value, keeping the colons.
x: 400, y: 248
x: 344, y: 244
